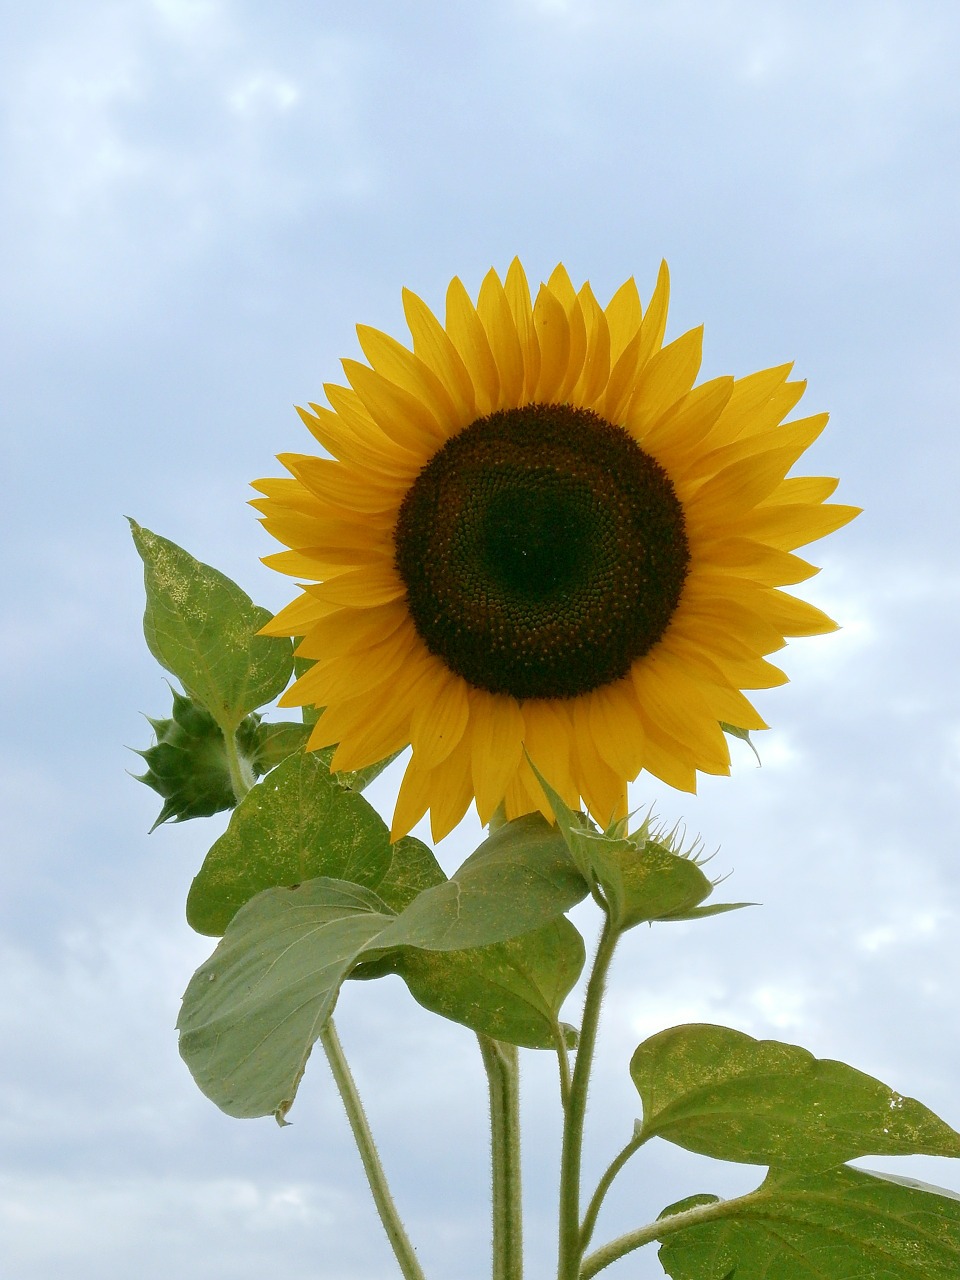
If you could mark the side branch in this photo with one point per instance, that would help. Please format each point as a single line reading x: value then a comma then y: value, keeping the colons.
x: 662, y: 1228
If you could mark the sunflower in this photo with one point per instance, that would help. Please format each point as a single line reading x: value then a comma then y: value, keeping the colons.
x: 533, y: 538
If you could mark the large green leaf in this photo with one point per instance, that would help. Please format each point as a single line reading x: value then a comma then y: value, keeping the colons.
x: 203, y: 629
x: 511, y: 991
x: 724, y: 1094
x: 252, y: 1012
x: 842, y: 1224
x: 297, y: 824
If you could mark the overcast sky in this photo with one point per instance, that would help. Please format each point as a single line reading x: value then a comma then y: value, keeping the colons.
x: 200, y: 199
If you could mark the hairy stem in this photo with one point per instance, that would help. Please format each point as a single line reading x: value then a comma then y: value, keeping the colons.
x: 396, y: 1234
x: 571, y: 1250
x: 663, y: 1228
x: 501, y: 1062
x: 604, y: 1185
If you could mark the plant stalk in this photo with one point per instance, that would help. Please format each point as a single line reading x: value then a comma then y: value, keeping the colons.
x: 501, y: 1062
x: 571, y: 1249
x: 396, y: 1233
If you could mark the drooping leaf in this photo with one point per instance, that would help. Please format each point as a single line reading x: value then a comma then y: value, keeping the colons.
x: 203, y: 628
x: 297, y: 824
x: 511, y: 991
x: 252, y: 1013
x: 841, y: 1224
x: 520, y: 878
x: 724, y: 1094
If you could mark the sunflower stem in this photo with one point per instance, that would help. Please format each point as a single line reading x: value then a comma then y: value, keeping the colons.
x: 501, y: 1062
x: 571, y: 1247
x: 396, y: 1233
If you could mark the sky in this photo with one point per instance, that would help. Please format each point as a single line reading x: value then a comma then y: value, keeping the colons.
x: 199, y: 199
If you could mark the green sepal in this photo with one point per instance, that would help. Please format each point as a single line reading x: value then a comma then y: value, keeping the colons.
x: 640, y: 878
x: 252, y: 1013
x: 202, y: 628
x: 187, y: 765
x: 301, y: 822
x: 743, y: 734
x: 854, y: 1223
x: 722, y: 1093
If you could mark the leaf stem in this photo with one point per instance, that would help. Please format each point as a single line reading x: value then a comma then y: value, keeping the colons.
x: 662, y: 1228
x: 501, y: 1062
x: 563, y: 1062
x: 241, y: 775
x: 604, y: 1185
x: 396, y: 1233
x: 571, y: 1250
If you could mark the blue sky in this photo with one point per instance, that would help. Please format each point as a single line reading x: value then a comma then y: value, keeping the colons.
x: 200, y: 199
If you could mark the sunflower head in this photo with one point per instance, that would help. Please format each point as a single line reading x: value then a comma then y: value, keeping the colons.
x: 532, y: 537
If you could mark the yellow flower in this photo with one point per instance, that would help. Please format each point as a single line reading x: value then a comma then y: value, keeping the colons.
x: 535, y: 536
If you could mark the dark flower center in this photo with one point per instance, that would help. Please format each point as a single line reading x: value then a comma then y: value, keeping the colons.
x: 543, y: 552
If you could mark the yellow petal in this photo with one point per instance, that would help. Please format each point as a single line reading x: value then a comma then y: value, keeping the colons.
x: 553, y: 338
x: 401, y: 416
x: 496, y: 731
x: 362, y: 588
x: 624, y: 314
x: 469, y: 337
x: 612, y: 716
x: 439, y: 720
x: 595, y: 373
x: 666, y: 377
x: 547, y: 733
x: 654, y: 323
x: 295, y: 618
x: 393, y: 361
x: 451, y: 789
x: 497, y: 320
x: 433, y: 345
x: 518, y: 296
x: 413, y: 800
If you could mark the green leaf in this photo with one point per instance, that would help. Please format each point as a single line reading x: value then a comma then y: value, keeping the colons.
x: 202, y: 628
x: 520, y: 878
x: 511, y: 991
x: 297, y: 824
x: 253, y: 1011
x: 276, y: 741
x: 722, y: 1093
x: 843, y: 1224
